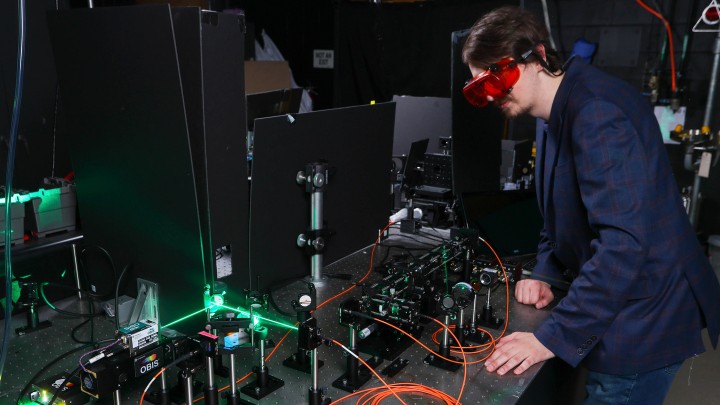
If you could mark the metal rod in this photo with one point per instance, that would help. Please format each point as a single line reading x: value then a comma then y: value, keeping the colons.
x: 695, y: 199
x: 474, y: 313
x: 187, y: 379
x: 467, y: 266
x: 316, y: 222
x: 713, y: 82
x: 353, y: 337
x: 163, y: 382
x: 116, y: 397
x: 262, y: 353
x: 252, y: 326
x: 446, y: 332
x: 316, y: 215
x: 352, y: 361
x: 210, y: 371
x: 460, y: 328
x: 76, y: 270
x: 314, y: 369
x: 233, y: 377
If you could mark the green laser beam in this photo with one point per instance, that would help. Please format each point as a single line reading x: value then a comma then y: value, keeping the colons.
x: 262, y: 318
x: 183, y: 318
x: 243, y: 312
x: 277, y: 323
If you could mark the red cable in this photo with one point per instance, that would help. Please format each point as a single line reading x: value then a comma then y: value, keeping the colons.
x: 372, y: 255
x: 670, y: 40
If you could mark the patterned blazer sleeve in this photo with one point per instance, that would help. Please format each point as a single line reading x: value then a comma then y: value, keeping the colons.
x: 611, y: 172
x: 547, y: 268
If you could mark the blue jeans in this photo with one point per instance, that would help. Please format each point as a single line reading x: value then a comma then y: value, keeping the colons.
x: 642, y: 389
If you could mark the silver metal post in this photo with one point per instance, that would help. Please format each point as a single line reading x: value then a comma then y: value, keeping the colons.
x: 314, y: 369
x: 695, y: 199
x: 76, y: 270
x: 713, y: 82
x: 446, y: 331
x: 210, y: 371
x: 116, y: 397
x: 316, y: 222
x: 262, y: 354
x: 709, y: 104
x: 353, y: 337
x: 233, y: 377
x: 187, y: 379
x: 474, y: 313
x: 252, y: 326
x: 163, y: 382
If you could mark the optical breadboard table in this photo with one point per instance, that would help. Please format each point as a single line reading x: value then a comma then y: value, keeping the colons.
x: 29, y: 354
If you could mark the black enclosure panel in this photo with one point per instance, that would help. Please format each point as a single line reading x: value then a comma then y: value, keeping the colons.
x: 120, y: 84
x: 383, y: 49
x: 210, y: 53
x: 509, y: 220
x: 476, y: 146
x: 357, y: 144
x: 41, y: 150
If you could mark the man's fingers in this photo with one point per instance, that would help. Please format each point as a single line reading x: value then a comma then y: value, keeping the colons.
x: 527, y: 292
x: 524, y: 366
x: 544, y: 302
x: 510, y: 358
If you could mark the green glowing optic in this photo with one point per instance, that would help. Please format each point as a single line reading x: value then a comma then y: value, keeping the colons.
x: 218, y: 299
x: 183, y: 318
x: 63, y: 273
x: 257, y: 317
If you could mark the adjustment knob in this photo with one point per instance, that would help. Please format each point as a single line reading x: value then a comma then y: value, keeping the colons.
x: 300, y: 177
x: 319, y: 180
x: 318, y: 244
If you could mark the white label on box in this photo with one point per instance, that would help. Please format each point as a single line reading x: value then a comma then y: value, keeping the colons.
x: 323, y: 58
x: 704, y: 170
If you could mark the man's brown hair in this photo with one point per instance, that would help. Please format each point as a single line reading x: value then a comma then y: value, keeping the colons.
x: 507, y: 31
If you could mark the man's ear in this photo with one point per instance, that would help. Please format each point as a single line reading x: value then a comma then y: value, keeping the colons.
x: 540, y: 50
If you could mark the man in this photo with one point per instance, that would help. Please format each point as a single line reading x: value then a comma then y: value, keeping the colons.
x: 643, y: 289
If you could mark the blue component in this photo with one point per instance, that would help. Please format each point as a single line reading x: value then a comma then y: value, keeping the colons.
x: 584, y: 49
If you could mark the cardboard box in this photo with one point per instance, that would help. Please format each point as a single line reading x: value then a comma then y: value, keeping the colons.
x: 262, y: 76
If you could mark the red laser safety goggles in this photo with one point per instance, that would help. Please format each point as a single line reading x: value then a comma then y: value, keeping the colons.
x: 497, y: 82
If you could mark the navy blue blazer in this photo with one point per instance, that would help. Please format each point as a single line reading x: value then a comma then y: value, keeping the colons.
x: 644, y: 289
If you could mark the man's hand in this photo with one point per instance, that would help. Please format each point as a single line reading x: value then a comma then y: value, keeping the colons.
x: 519, y: 350
x: 533, y: 292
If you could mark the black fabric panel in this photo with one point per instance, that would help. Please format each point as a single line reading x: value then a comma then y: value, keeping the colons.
x: 387, y: 49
